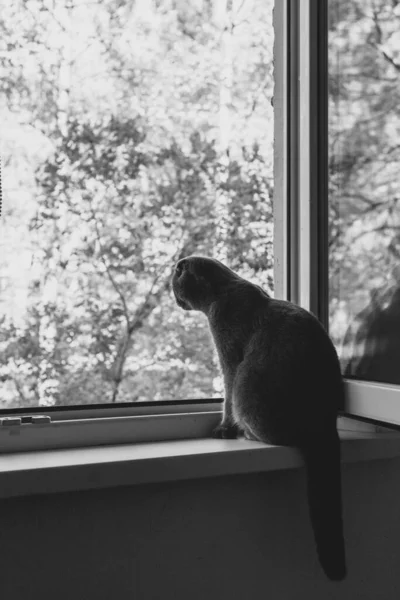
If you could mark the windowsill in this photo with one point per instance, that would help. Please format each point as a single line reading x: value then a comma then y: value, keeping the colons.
x: 65, y: 470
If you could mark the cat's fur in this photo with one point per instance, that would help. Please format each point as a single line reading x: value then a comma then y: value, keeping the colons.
x: 282, y: 380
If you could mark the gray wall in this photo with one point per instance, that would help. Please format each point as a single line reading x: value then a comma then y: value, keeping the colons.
x: 229, y: 538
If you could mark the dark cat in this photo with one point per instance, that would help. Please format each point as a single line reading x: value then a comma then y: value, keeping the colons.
x: 283, y: 384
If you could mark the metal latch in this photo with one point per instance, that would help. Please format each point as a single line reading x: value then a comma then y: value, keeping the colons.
x: 15, y: 421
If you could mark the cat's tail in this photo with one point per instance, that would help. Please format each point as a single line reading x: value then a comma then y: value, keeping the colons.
x: 322, y: 459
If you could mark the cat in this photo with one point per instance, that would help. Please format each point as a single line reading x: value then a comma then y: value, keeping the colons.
x: 283, y: 384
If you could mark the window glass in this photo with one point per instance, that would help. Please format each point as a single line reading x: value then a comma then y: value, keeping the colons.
x: 364, y: 186
x: 133, y: 132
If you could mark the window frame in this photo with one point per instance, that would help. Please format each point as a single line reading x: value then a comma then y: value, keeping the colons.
x: 306, y: 195
x: 301, y: 154
x: 300, y: 256
x: 97, y: 427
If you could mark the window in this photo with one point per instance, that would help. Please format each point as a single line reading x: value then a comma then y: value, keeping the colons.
x: 133, y: 133
x: 336, y: 140
x: 364, y: 196
x: 147, y: 151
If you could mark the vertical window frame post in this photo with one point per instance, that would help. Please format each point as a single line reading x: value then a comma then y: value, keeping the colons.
x: 313, y: 157
x: 308, y: 198
x: 282, y: 148
x: 301, y: 154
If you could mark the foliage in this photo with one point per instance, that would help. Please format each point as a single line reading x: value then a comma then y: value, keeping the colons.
x: 364, y: 70
x: 136, y: 132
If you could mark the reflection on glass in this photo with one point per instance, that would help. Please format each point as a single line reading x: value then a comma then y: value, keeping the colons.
x: 364, y: 187
x: 133, y: 132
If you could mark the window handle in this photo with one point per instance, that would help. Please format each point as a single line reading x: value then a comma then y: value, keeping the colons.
x: 25, y: 420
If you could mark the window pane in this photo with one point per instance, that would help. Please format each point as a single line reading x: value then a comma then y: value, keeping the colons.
x: 134, y: 132
x: 364, y: 194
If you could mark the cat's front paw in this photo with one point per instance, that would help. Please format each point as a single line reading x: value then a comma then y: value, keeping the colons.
x: 226, y: 432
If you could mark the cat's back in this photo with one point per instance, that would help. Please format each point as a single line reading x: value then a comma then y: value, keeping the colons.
x: 273, y: 330
x: 296, y: 344
x: 282, y: 320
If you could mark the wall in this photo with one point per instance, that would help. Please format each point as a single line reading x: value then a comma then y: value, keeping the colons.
x: 230, y: 538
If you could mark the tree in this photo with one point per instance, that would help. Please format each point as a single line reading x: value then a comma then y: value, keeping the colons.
x: 364, y: 97
x: 124, y: 106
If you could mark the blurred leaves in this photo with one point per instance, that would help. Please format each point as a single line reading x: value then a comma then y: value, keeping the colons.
x: 116, y: 170
x: 364, y: 121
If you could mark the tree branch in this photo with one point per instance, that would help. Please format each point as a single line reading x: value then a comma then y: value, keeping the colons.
x: 107, y: 268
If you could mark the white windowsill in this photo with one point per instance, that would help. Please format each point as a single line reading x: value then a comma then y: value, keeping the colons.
x: 64, y: 470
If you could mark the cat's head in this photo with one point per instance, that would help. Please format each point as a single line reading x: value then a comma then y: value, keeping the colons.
x: 198, y: 281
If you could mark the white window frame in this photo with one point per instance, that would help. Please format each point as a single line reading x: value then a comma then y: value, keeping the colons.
x: 300, y: 257
x: 306, y: 198
x: 108, y: 426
